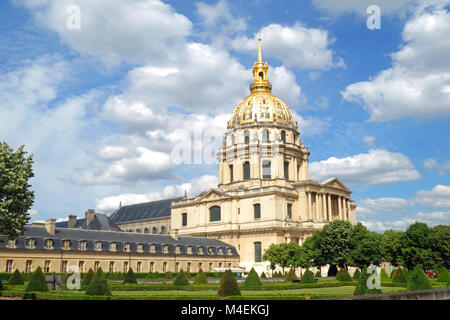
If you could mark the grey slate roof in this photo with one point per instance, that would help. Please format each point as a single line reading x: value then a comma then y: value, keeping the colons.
x: 143, y: 211
x: 39, y: 234
x: 100, y: 221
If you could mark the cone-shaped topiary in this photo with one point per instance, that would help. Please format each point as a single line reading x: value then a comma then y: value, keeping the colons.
x: 418, y: 280
x: 88, y: 278
x: 361, y: 287
x: 98, y: 285
x: 200, y: 278
x: 291, y: 276
x: 16, y: 279
x: 130, y: 277
x: 180, y: 279
x: 384, y: 276
x: 343, y: 275
x: 37, y: 282
x: 406, y: 273
x: 263, y: 276
x: 228, y: 285
x: 318, y: 274
x: 169, y: 275
x: 308, y: 277
x: 443, y: 275
x: 399, y: 276
x: 356, y: 274
x: 252, y: 282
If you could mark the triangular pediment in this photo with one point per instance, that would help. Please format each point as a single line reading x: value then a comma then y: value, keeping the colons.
x: 211, y: 195
x: 336, y: 183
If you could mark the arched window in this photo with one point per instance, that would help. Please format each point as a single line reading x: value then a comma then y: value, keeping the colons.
x: 138, y: 230
x: 286, y: 170
x: 155, y: 230
x: 163, y: 229
x: 246, y: 167
x: 214, y: 214
x: 267, y: 171
x: 184, y: 219
x: 283, y: 136
x: 146, y: 230
x: 265, y: 136
x: 261, y: 75
x: 246, y: 137
x: 257, y: 211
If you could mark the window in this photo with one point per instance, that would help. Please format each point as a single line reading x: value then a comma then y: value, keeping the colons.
x: 126, y: 247
x: 64, y: 266
x: 214, y: 214
x: 96, y: 265
x: 200, y: 250
x: 246, y: 167
x: 220, y: 264
x: 231, y: 173
x: 229, y: 252
x: 189, y: 250
x: 81, y: 266
x: 30, y: 243
x: 155, y: 230
x: 125, y: 266
x: 257, y: 211
x: 220, y: 251
x: 28, y: 266
x: 246, y: 137
x: 152, y: 248
x: 11, y: 244
x: 146, y: 230
x: 165, y: 249
x: 139, y: 266
x: 265, y: 136
x: 48, y: 244
x: 283, y: 136
x: 188, y: 267
x: 267, y: 174
x: 111, y: 266
x: 261, y: 76
x: 152, y: 266
x: 210, y: 267
x: 177, y: 265
x: 184, y: 219
x: 177, y: 250
x: 66, y: 244
x: 286, y: 170
x: 163, y: 229
x: 200, y: 265
x: 9, y: 266
x: 47, y: 266
x: 98, y: 246
x: 138, y: 230
x: 257, y: 251
x: 210, y: 250
x: 164, y: 267
x: 82, y: 245
x: 139, y: 247
x: 112, y: 247
x: 289, y: 210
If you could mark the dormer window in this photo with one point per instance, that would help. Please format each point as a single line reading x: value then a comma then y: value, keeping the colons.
x: 126, y: 247
x: 229, y: 252
x: 98, y: 246
x: 11, y: 244
x: 210, y: 250
x: 31, y: 243
x: 48, y: 244
x: 112, y: 247
x: 200, y: 250
x: 189, y: 250
x: 82, y: 245
x: 152, y: 248
x: 220, y: 251
x: 139, y: 247
x: 177, y: 250
x: 165, y: 249
x: 66, y: 244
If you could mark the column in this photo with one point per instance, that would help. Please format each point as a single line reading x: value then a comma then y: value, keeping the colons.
x: 309, y: 206
x: 340, y: 207
x: 316, y: 211
x: 348, y: 209
x: 330, y: 214
x: 324, y: 207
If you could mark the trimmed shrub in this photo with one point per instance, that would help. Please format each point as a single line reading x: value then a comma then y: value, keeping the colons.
x: 201, y: 278
x: 263, y: 276
x: 318, y: 274
x: 88, y: 278
x: 356, y: 274
x: 343, y: 275
x: 291, y: 276
x: 130, y: 277
x: 228, y: 285
x: 399, y: 276
x: 180, y: 279
x: 308, y: 277
x: 16, y: 279
x: 169, y: 276
x: 361, y: 288
x: 384, y: 276
x: 443, y: 275
x: 418, y: 280
x: 252, y: 281
x: 98, y: 285
x: 37, y: 282
x: 406, y: 273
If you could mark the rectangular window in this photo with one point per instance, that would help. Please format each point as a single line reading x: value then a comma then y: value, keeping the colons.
x: 189, y: 250
x: 210, y: 267
x: 214, y: 214
x: 126, y: 247
x: 82, y: 245
x: 184, y: 219
x: 81, y: 266
x: 98, y: 246
x: 48, y: 244
x: 29, y: 266
x: 64, y: 266
x: 177, y: 250
x: 164, y: 267
x: 152, y: 248
x: 220, y: 264
x: 246, y: 166
x: 188, y: 267
x: 165, y: 249
x: 152, y: 266
x: 231, y: 173
x: 286, y: 170
x: 257, y: 211
x: 66, y: 244
x: 125, y: 266
x: 289, y: 210
x: 267, y: 174
x: 177, y: 265
x: 112, y: 247
x: 111, y: 266
x: 139, y: 248
x: 96, y: 265
x: 47, y: 266
x: 257, y: 251
x: 9, y: 266
x: 200, y: 265
x: 139, y: 266
x: 11, y: 244
x: 30, y: 243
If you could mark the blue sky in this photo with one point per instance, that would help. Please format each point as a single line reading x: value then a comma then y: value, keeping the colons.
x: 103, y: 106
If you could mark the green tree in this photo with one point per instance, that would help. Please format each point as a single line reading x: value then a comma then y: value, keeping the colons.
x: 416, y: 246
x: 283, y: 254
x: 130, y: 277
x: 443, y: 275
x: 308, y: 277
x: 181, y: 279
x: 88, y: 278
x: 343, y: 275
x: 98, y: 285
x: 16, y: 279
x: 310, y: 254
x: 384, y: 276
x: 252, y: 282
x: 169, y: 276
x: 440, y: 245
x: 37, y: 282
x: 200, y: 278
x: 365, y: 247
x: 399, y: 276
x: 291, y: 276
x: 228, y: 285
x: 15, y: 197
x: 418, y: 280
x: 356, y: 274
x: 361, y: 287
x: 335, y: 242
x: 391, y: 247
x: 273, y: 255
x: 263, y: 275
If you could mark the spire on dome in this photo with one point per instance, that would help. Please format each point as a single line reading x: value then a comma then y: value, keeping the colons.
x: 260, y: 60
x: 260, y: 81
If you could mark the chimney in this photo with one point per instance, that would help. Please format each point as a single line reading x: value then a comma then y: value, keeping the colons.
x: 50, y: 226
x: 72, y: 221
x: 38, y: 224
x: 90, y: 216
x: 175, y: 234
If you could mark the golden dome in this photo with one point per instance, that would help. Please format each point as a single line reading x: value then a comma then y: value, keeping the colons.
x: 261, y: 105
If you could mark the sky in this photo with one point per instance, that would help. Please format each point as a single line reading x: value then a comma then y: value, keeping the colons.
x: 106, y: 93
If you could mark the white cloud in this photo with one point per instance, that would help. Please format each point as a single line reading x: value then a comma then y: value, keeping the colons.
x: 418, y: 83
x: 372, y: 168
x: 193, y: 188
x: 296, y: 46
x: 438, y: 197
x: 434, y: 165
x: 369, y: 140
x: 338, y: 7
x: 369, y: 207
x: 131, y: 30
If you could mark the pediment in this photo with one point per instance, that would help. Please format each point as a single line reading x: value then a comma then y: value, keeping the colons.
x: 212, y: 195
x: 336, y: 183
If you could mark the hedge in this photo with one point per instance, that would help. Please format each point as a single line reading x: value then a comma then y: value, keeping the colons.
x: 252, y: 282
x: 308, y: 277
x: 291, y: 276
x: 443, y: 275
x: 228, y: 285
x: 418, y: 280
x: 343, y: 275
x: 180, y: 280
x: 356, y: 274
x: 130, y: 277
x: 37, y: 282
